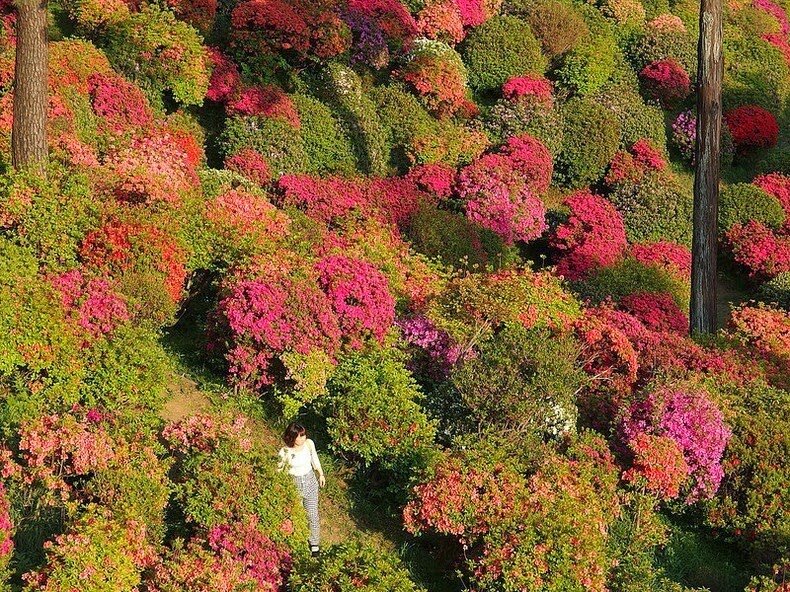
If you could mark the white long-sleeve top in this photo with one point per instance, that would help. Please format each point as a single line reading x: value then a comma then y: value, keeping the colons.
x: 300, y: 461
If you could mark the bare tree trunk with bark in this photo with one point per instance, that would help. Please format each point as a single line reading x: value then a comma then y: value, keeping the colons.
x: 29, y: 130
x: 706, y: 177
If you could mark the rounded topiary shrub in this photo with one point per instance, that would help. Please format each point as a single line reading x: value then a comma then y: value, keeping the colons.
x: 326, y: 143
x: 777, y: 291
x: 755, y: 73
x: 499, y: 49
x: 276, y: 140
x: 742, y: 202
x: 637, y: 119
x: 585, y: 68
x: 558, y: 25
x: 660, y: 43
x: 591, y: 138
x: 776, y: 161
x: 654, y: 208
x: 513, y: 118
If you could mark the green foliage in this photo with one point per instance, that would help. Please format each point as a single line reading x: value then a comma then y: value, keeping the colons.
x: 629, y: 277
x: 655, y: 208
x: 373, y: 412
x: 341, y: 88
x: 508, y: 118
x: 522, y: 380
x: 558, y: 25
x: 500, y: 48
x: 584, y: 154
x: 160, y: 53
x: 777, y: 290
x: 276, y: 140
x: 742, y: 202
x: 353, y: 567
x: 656, y: 45
x: 637, y: 119
x: 325, y: 142
x: 776, y: 161
x: 755, y: 73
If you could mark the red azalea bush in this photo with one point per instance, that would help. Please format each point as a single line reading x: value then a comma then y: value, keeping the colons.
x: 760, y: 250
x: 670, y: 256
x: 692, y: 420
x: 606, y: 351
x: 229, y: 557
x: 6, y: 532
x: 658, y: 465
x: 120, y: 104
x: 269, y: 101
x: 658, y: 312
x: 752, y: 127
x: 323, y: 199
x: 95, y: 306
x: 529, y: 87
x: 198, y: 13
x: 359, y: 295
x: 436, y: 179
x: 441, y: 20
x: 225, y: 78
x: 592, y: 236
x: 665, y: 81
x: 251, y: 164
x: 440, y: 84
x: 632, y: 165
x: 778, y: 185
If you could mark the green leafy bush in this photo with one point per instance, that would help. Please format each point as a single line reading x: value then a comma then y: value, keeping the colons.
x: 326, y: 143
x: 558, y: 25
x: 372, y: 410
x: 160, y: 53
x: 584, y: 154
x: 508, y: 118
x: 776, y: 161
x: 522, y: 380
x: 630, y: 277
x: 777, y: 290
x: 742, y: 202
x: 276, y: 140
x: 756, y: 73
x: 637, y: 119
x: 353, y: 567
x: 500, y: 48
x: 659, y: 44
x: 654, y: 208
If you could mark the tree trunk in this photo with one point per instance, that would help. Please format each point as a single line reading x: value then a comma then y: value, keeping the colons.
x: 706, y: 177
x: 29, y: 129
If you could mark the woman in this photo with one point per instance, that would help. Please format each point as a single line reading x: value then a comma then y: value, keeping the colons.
x: 302, y: 460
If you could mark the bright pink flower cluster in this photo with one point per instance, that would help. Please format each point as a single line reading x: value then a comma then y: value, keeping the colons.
x: 670, y: 256
x: 658, y: 312
x: 323, y: 198
x: 436, y: 178
x: 95, y: 306
x: 248, y: 213
x: 529, y: 87
x: 422, y: 333
x: 476, y: 12
x: 359, y: 295
x: 696, y: 425
x: 632, y: 165
x: 6, y: 528
x: 530, y: 158
x: 592, y: 236
x: 441, y: 85
x: 225, y: 77
x: 251, y: 164
x: 659, y: 464
x: 777, y: 185
x: 759, y: 249
x: 395, y: 199
x: 120, y: 104
x: 780, y: 42
x: 666, y: 81
x: 268, y: 101
x: 203, y: 432
x: 154, y: 168
x: 441, y: 19
x: 752, y: 127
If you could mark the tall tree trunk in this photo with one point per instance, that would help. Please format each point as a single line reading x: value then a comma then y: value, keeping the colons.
x: 706, y: 177
x: 29, y: 130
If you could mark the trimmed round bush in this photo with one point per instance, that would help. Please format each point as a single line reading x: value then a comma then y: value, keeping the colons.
x: 499, y: 49
x: 637, y: 119
x: 276, y: 140
x: 558, y: 25
x: 742, y: 202
x: 508, y: 118
x: 584, y: 69
x: 755, y: 72
x: 326, y: 144
x: 654, y: 208
x: 591, y: 138
x: 777, y: 290
x: 776, y: 161
x: 661, y: 44
x: 752, y: 126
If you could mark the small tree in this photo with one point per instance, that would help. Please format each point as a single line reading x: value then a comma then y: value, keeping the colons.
x: 28, y: 132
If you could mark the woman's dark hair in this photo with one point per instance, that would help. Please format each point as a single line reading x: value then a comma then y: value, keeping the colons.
x: 292, y: 432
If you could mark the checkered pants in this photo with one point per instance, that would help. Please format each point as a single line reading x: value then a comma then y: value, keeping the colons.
x: 308, y: 489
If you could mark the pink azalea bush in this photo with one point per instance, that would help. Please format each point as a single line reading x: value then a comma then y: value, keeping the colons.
x: 632, y: 165
x: 658, y: 464
x: 529, y: 87
x: 778, y: 185
x: 667, y: 255
x: 476, y: 12
x: 6, y: 531
x: 238, y: 212
x: 593, y: 235
x: 93, y: 303
x: 441, y: 20
x: 121, y: 105
x: 765, y: 330
x: 658, y: 312
x: 251, y: 164
x: 665, y: 81
x: 692, y: 420
x: 225, y: 78
x: 267, y: 101
x: 761, y: 251
x: 323, y: 199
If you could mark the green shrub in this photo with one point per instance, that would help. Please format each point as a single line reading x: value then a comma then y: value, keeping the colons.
x: 325, y: 142
x: 777, y: 290
x: 160, y: 53
x: 507, y: 118
x: 755, y: 73
x: 558, y: 25
x: 591, y: 136
x: 656, y: 45
x: 655, y: 208
x: 776, y: 161
x: 500, y: 48
x: 742, y: 202
x: 372, y: 410
x: 637, y: 119
x: 629, y: 277
x: 341, y: 88
x: 653, y: 8
x: 276, y: 140
x: 585, y: 68
x: 353, y: 567
x: 457, y: 242
x: 522, y: 380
